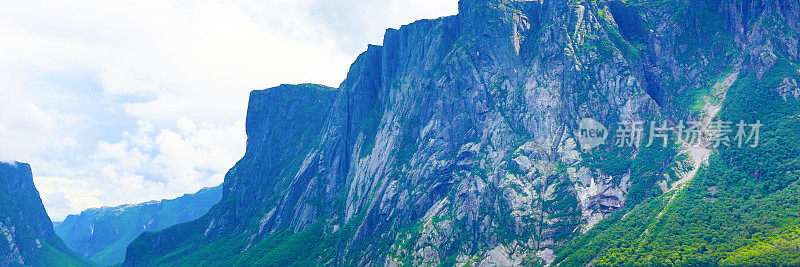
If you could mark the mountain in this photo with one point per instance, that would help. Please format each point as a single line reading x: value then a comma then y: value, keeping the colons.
x: 458, y: 142
x: 27, y: 233
x: 103, y: 234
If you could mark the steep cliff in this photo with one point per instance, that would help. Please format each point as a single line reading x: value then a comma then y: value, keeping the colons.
x: 455, y: 141
x: 103, y: 234
x: 27, y: 233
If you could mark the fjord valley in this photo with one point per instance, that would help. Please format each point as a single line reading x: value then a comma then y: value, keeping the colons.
x: 103, y: 234
x: 462, y: 141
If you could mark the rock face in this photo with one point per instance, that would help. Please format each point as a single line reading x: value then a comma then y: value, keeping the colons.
x: 103, y: 234
x: 26, y: 233
x: 455, y: 141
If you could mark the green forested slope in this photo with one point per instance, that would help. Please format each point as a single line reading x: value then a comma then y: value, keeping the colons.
x: 743, y: 208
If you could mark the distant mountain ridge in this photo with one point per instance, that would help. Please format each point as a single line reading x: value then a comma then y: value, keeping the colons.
x: 103, y: 234
x: 26, y: 232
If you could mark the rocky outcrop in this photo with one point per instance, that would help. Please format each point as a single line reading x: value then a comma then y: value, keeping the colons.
x: 103, y: 234
x: 283, y: 128
x: 455, y: 141
x: 26, y: 233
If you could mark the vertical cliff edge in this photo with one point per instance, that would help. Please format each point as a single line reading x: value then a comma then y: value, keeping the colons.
x: 455, y: 142
x: 26, y: 230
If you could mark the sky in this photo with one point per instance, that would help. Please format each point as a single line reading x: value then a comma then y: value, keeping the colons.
x: 120, y: 102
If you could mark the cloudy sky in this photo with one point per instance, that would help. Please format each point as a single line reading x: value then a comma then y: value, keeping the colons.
x: 115, y: 102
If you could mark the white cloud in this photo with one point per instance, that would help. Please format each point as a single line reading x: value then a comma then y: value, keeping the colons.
x: 26, y: 128
x: 146, y: 165
x: 54, y: 191
x: 116, y: 81
x: 118, y: 102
